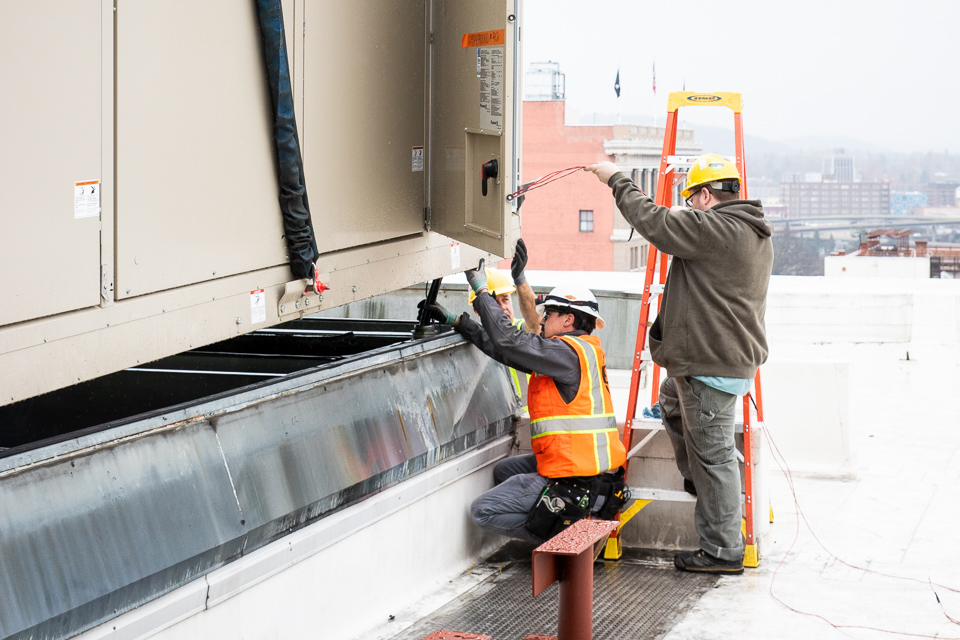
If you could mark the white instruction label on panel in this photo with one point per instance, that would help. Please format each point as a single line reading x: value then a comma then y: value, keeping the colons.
x: 491, y: 87
x: 258, y: 307
x: 86, y: 199
x: 417, y: 163
x: 455, y: 255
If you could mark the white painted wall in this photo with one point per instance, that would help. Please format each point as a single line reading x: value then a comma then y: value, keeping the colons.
x: 876, y: 267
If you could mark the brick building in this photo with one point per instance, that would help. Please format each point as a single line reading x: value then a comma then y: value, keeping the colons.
x: 573, y: 224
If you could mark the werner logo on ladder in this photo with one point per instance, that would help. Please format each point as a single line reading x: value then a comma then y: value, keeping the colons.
x: 708, y: 334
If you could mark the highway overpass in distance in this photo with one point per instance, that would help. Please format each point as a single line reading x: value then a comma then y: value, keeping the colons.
x: 839, y: 223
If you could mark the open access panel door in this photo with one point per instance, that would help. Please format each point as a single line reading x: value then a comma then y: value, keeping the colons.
x: 475, y: 109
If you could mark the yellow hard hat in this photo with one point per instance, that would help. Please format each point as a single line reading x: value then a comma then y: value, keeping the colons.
x: 711, y: 168
x: 497, y: 283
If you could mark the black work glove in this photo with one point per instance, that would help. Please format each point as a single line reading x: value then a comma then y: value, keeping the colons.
x: 436, y: 311
x: 519, y: 263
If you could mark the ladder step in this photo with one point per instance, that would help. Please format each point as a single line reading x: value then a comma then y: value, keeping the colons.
x: 681, y: 162
x: 648, y: 423
x: 663, y: 495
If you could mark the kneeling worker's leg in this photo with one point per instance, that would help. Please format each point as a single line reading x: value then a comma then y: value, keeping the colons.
x: 708, y: 416
x: 514, y: 465
x: 504, y: 508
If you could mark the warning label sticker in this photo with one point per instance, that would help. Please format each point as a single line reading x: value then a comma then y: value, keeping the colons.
x: 483, y: 38
x: 417, y: 161
x: 491, y: 87
x: 258, y: 307
x: 86, y: 199
x: 455, y: 255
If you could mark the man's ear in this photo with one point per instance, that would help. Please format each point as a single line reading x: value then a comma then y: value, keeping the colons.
x: 568, y: 320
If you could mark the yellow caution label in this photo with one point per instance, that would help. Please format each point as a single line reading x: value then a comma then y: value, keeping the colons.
x: 727, y: 99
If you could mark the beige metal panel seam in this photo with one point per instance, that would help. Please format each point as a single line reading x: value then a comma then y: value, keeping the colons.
x: 295, y: 52
x: 428, y: 114
x: 107, y: 152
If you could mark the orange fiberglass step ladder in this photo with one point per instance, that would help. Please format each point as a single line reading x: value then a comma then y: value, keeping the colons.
x: 672, y: 170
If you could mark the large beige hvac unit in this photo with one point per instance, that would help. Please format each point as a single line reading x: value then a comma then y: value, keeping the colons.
x: 140, y: 214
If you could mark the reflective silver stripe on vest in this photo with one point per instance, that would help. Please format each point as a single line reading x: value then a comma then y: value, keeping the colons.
x: 561, y: 425
x: 602, y: 451
x: 594, y: 376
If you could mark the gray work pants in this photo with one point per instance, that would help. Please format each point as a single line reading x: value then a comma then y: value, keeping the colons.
x: 700, y: 422
x: 504, y: 508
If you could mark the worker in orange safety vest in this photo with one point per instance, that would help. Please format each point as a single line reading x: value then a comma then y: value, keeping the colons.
x: 573, y: 427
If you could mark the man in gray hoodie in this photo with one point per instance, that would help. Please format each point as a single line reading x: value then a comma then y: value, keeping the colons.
x: 709, y: 335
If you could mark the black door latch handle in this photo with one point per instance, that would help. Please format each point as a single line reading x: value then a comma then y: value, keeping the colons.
x: 489, y: 170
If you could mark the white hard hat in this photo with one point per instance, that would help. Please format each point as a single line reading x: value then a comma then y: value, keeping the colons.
x: 572, y: 297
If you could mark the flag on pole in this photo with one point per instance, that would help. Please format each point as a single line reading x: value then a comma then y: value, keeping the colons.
x: 654, y: 77
x: 616, y: 83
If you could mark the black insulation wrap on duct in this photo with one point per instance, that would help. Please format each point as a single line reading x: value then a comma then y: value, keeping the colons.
x: 297, y: 224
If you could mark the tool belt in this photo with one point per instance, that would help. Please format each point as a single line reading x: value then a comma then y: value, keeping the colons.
x: 565, y: 500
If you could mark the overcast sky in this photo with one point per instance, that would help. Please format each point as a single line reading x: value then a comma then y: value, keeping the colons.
x: 881, y: 71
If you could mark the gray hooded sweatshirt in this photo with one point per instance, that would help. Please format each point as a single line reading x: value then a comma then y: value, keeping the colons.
x: 711, y: 320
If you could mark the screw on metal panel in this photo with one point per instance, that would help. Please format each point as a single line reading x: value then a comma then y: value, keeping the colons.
x: 239, y: 320
x: 511, y: 18
x: 283, y: 308
x: 321, y: 298
x: 307, y: 302
x: 298, y: 304
x: 354, y: 288
x: 44, y: 339
x: 128, y: 290
x: 214, y: 273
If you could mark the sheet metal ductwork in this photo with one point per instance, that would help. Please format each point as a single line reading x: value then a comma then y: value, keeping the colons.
x: 101, y: 522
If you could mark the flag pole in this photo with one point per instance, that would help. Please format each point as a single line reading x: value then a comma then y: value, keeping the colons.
x: 616, y: 88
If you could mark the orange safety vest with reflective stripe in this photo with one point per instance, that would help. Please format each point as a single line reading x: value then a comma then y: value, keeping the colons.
x: 520, y: 379
x: 579, y: 438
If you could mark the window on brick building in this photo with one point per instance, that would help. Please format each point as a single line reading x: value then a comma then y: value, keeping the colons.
x: 586, y: 220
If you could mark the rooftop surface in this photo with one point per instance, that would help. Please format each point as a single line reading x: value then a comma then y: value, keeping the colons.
x: 865, y: 551
x: 869, y: 555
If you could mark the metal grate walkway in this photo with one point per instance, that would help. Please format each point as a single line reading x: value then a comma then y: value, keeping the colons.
x: 635, y: 601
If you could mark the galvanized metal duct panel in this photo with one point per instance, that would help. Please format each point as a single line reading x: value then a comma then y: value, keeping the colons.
x: 111, y: 520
